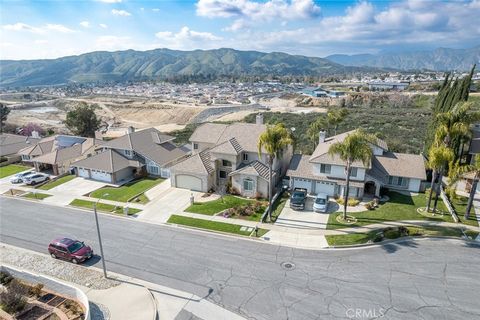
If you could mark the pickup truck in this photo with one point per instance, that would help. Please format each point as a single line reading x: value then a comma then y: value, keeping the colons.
x: 298, y: 198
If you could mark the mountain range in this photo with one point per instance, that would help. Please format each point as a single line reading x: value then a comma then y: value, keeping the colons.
x: 161, y: 64
x: 441, y: 59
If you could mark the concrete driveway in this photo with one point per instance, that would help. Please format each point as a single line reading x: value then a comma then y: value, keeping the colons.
x: 307, y: 219
x: 68, y: 191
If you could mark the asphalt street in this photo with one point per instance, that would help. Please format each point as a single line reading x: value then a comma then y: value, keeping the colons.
x: 425, y: 279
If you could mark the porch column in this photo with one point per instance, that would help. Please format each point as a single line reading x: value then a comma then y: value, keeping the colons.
x: 377, y: 190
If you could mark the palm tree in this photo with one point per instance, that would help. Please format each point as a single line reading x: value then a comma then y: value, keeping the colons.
x: 458, y: 171
x: 355, y: 147
x: 438, y: 158
x: 273, y: 141
x: 314, y: 129
x: 335, y: 117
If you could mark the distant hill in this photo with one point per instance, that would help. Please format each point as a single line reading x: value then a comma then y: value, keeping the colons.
x: 161, y: 64
x: 441, y: 59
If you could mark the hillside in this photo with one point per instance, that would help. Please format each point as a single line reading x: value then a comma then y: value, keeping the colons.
x: 161, y: 64
x: 441, y: 59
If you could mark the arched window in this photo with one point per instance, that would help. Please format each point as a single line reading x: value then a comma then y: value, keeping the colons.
x: 248, y: 184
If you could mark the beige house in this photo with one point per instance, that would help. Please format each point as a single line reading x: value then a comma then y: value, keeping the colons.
x: 10, y: 144
x: 324, y: 173
x: 57, y: 153
x: 227, y: 155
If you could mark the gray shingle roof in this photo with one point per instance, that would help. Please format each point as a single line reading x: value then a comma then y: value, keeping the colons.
x: 197, y: 163
x: 400, y: 165
x: 109, y: 161
x: 12, y: 143
x: 254, y: 168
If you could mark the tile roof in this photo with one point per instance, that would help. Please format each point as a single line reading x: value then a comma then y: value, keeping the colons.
x: 12, y: 143
x: 197, y: 163
x: 149, y: 143
x: 400, y: 165
x: 109, y: 161
x: 255, y: 168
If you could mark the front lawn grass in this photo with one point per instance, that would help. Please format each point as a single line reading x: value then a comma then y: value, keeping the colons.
x: 36, y: 195
x: 55, y: 183
x: 212, y: 225
x: 278, y: 207
x: 414, y: 231
x: 215, y: 206
x: 104, y: 207
x: 127, y: 191
x: 399, y: 207
x: 11, y: 169
x: 460, y: 205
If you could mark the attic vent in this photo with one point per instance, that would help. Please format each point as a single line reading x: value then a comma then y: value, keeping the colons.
x: 156, y: 138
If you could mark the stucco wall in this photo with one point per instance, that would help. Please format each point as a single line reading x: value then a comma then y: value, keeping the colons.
x: 339, y: 172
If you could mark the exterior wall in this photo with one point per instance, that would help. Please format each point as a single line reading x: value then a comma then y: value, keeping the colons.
x: 339, y: 172
x: 260, y: 186
x: 123, y: 175
x: 376, y: 150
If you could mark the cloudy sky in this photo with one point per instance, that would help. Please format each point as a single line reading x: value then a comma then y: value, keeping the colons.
x: 50, y: 29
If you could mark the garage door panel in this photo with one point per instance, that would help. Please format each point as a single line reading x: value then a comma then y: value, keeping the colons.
x: 303, y: 184
x: 101, y: 176
x: 85, y: 173
x: 188, y: 182
x: 325, y: 187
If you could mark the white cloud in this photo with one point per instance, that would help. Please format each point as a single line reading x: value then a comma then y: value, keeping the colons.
x: 103, y: 25
x: 113, y: 43
x: 187, y: 39
x: 40, y: 42
x: 110, y: 1
x: 58, y: 28
x: 121, y: 13
x: 85, y: 24
x: 19, y: 26
x: 247, y: 12
x: 155, y: 10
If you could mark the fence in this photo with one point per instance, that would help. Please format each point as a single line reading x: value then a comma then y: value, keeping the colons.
x: 51, y: 284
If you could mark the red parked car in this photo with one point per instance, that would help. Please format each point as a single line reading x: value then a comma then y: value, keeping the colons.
x: 71, y: 250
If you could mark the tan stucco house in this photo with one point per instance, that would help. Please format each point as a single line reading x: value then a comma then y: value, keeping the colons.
x: 227, y: 154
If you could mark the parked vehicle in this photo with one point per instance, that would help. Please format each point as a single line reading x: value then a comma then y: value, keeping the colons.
x: 20, y: 177
x: 321, y: 203
x: 298, y: 199
x: 71, y: 250
x: 36, y: 178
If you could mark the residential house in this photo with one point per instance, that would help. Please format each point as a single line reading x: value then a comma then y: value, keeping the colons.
x: 136, y: 153
x: 325, y: 173
x: 227, y: 155
x: 315, y: 92
x: 57, y: 153
x: 10, y: 144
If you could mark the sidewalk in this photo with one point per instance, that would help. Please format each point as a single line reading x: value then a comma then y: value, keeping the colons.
x: 119, y: 296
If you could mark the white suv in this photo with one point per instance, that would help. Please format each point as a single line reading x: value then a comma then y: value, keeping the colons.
x: 36, y: 178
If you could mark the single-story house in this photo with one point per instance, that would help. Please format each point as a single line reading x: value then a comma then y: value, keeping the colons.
x: 10, y: 144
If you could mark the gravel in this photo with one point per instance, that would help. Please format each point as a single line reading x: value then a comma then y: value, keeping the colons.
x: 63, y: 270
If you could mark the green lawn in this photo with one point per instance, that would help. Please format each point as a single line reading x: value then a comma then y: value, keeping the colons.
x: 127, y: 191
x: 101, y: 207
x: 278, y: 207
x: 399, y: 207
x: 11, y: 169
x: 430, y: 231
x: 37, y: 195
x: 460, y: 205
x: 212, y: 225
x: 57, y: 182
x: 215, y: 206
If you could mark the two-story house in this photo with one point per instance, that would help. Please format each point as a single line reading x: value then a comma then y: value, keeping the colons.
x: 228, y: 155
x: 325, y: 173
x: 146, y: 151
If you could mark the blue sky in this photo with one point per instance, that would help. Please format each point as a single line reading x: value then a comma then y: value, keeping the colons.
x: 50, y: 29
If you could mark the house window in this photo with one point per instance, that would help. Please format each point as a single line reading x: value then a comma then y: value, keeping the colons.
x: 353, y: 172
x: 325, y: 168
x: 128, y: 153
x: 398, y: 181
x: 222, y: 174
x: 226, y: 163
x: 152, y: 170
x: 25, y: 157
x: 245, y: 157
x: 195, y: 146
x: 248, y: 184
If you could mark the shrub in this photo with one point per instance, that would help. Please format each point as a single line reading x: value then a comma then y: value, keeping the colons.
x: 351, y: 202
x: 403, y: 231
x: 391, y: 233
x: 257, y: 206
x: 14, y: 298
x: 370, y: 205
x: 5, y: 278
x: 36, y: 290
x: 378, y: 237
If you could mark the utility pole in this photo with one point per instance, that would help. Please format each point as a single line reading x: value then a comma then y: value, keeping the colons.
x: 99, y: 236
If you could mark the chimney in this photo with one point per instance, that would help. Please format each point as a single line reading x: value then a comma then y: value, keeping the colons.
x: 35, y: 134
x: 321, y: 136
x: 130, y: 129
x: 259, y: 118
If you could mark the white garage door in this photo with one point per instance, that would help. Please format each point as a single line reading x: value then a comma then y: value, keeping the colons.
x: 85, y: 173
x: 325, y: 187
x: 303, y: 184
x: 188, y: 182
x: 101, y: 176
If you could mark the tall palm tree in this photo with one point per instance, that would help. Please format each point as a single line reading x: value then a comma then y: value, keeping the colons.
x: 273, y: 141
x: 313, y: 130
x: 438, y: 158
x: 335, y: 117
x: 457, y: 173
x: 355, y: 147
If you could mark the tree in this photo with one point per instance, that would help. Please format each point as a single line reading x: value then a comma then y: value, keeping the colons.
x: 314, y: 129
x: 30, y: 127
x: 438, y: 158
x: 83, y: 121
x: 4, y: 111
x: 274, y: 140
x: 458, y: 171
x: 355, y: 147
x: 335, y: 117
